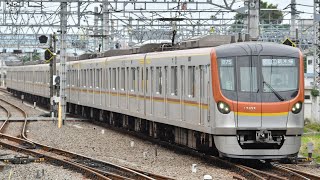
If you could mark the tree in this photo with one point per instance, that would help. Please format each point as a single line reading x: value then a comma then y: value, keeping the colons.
x: 270, y: 17
x: 265, y: 16
x: 35, y: 56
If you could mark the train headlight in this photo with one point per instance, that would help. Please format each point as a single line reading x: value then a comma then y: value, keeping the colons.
x: 223, y: 107
x: 296, y: 108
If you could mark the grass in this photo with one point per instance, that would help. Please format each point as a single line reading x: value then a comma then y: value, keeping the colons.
x: 316, y: 144
x: 314, y: 138
x: 313, y: 126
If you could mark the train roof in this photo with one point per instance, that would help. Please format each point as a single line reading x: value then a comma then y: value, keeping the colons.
x: 257, y: 48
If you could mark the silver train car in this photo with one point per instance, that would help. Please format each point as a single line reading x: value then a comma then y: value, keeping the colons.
x: 241, y: 100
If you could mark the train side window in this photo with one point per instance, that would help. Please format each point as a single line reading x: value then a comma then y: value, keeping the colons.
x: 104, y: 78
x: 78, y: 78
x: 182, y: 77
x: 151, y: 81
x: 75, y: 77
x: 87, y: 78
x: 84, y: 78
x: 133, y: 79
x: 138, y: 79
x: 90, y: 78
x: 191, y: 81
x: 141, y: 82
x: 174, y: 80
x: 114, y: 73
x: 81, y: 77
x: 96, y: 78
x: 68, y: 77
x: 100, y: 78
x: 158, y: 80
x: 110, y: 78
x: 71, y: 80
x: 146, y: 83
x: 123, y: 79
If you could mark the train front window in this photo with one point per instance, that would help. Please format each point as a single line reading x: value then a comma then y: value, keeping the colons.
x: 227, y: 74
x: 280, y: 73
x: 256, y: 79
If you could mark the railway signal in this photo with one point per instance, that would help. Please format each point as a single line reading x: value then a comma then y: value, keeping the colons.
x: 43, y: 39
x: 48, y: 54
x: 289, y: 43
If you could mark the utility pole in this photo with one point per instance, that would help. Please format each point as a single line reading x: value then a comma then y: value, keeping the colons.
x: 130, y: 32
x: 316, y: 38
x: 63, y: 67
x: 293, y: 19
x: 2, y: 68
x: 316, y: 19
x: 253, y: 19
x: 51, y: 81
x: 54, y: 69
x: 105, y: 25
x: 96, y: 29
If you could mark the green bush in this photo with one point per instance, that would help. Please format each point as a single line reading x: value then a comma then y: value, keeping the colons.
x: 313, y: 126
x: 315, y: 92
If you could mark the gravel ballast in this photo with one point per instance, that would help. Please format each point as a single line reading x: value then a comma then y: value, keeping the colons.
x: 108, y: 145
x: 41, y: 170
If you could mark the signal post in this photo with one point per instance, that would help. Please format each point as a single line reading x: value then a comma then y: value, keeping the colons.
x: 49, y: 56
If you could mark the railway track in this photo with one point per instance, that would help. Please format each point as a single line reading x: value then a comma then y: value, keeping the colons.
x: 89, y: 167
x: 274, y: 171
x: 4, y: 91
x: 278, y: 172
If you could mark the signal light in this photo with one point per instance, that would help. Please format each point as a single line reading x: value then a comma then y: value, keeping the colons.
x: 48, y: 54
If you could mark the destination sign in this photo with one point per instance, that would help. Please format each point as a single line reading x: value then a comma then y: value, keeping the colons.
x: 226, y: 62
x: 278, y: 62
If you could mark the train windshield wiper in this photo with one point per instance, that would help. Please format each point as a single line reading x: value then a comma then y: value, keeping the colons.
x: 274, y: 91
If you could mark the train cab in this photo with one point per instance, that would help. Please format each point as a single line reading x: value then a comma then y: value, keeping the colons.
x: 259, y: 92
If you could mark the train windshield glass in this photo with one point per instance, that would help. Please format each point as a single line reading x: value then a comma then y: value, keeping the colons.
x: 256, y: 79
x: 227, y: 74
x: 280, y: 73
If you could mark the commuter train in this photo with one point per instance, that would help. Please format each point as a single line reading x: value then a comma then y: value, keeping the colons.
x: 241, y: 100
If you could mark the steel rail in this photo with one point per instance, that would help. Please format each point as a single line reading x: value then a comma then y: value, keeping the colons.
x: 85, y: 161
x: 84, y: 170
x: 8, y: 116
x: 267, y: 175
x: 27, y: 143
x: 302, y: 173
x: 89, y: 162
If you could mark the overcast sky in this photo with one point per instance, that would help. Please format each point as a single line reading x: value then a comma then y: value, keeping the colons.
x: 284, y: 3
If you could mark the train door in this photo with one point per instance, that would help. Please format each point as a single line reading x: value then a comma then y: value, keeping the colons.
x: 109, y: 83
x: 97, y: 91
x: 78, y: 86
x: 91, y: 86
x: 173, y: 98
x: 152, y: 90
x: 147, y: 102
x: 123, y: 95
x: 165, y: 93
x: 158, y: 99
x: 249, y: 99
x: 182, y: 93
x: 104, y: 87
x: 203, y: 94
